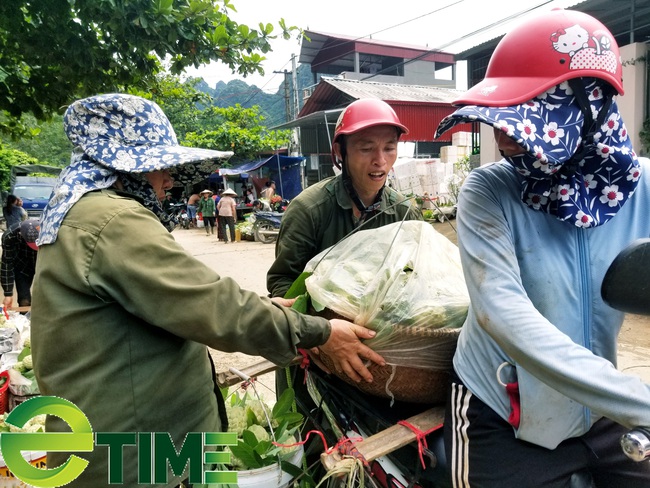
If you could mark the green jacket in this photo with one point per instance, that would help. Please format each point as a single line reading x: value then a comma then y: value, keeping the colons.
x: 318, y: 218
x: 121, y: 316
x: 207, y: 207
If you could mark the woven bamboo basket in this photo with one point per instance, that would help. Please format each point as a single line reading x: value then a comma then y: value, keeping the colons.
x: 404, y: 383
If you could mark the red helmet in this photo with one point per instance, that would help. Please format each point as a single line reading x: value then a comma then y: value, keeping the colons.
x: 544, y: 51
x: 364, y: 113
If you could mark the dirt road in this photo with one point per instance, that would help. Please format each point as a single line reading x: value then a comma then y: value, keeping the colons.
x: 247, y: 262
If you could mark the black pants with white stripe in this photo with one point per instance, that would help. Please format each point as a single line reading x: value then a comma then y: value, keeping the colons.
x: 482, y: 452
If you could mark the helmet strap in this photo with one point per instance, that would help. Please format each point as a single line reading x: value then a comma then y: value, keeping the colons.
x: 354, y: 196
x: 589, y: 126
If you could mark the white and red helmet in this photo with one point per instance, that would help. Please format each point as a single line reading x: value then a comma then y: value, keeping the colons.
x: 545, y: 51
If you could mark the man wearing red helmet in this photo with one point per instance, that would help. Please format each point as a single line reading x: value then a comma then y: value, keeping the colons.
x: 365, y: 149
x: 536, y: 396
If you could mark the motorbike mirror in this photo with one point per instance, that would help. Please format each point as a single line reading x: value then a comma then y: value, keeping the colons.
x: 626, y: 286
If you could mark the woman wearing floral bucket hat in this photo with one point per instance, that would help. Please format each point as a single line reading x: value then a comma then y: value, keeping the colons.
x: 122, y: 314
x: 537, y: 397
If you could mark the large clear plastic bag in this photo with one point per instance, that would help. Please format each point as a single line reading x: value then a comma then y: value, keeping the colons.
x: 403, y: 280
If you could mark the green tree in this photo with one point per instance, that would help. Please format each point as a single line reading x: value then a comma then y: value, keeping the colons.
x: 47, y: 143
x: 53, y: 51
x: 8, y: 159
x: 195, y: 121
x: 237, y: 129
x: 199, y: 124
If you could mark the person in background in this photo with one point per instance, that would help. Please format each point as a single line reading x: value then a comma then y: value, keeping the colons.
x: 216, y: 197
x: 192, y: 203
x: 13, y: 211
x: 536, y: 399
x: 167, y: 202
x: 249, y: 196
x: 427, y: 202
x: 268, y: 191
x: 261, y: 206
x: 207, y: 208
x: 18, y: 262
x: 122, y: 314
x: 227, y: 207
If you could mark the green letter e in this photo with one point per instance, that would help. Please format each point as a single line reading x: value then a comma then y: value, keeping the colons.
x: 80, y: 439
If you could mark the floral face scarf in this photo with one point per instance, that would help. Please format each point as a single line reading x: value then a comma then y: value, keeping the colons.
x: 84, y: 175
x: 586, y: 190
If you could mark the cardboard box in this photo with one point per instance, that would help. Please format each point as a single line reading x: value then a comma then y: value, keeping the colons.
x: 404, y: 167
x: 451, y: 154
x: 461, y: 139
x: 448, y: 154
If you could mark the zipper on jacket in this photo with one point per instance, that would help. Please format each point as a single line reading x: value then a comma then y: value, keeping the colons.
x: 585, y: 289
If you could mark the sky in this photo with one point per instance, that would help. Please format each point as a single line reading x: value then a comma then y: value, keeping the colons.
x: 432, y: 24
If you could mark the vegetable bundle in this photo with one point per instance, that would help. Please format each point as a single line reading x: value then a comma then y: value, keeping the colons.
x: 403, y: 280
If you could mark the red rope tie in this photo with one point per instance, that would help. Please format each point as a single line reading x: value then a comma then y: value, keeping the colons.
x: 421, y: 437
x: 347, y: 448
x: 247, y: 383
x: 4, y: 311
x: 345, y: 445
x: 304, y: 364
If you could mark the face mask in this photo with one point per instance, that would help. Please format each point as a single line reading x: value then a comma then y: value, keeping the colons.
x: 587, y: 190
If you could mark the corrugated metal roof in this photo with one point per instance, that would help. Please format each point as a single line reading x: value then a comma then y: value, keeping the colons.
x: 338, y: 92
x: 420, y: 108
x: 394, y: 91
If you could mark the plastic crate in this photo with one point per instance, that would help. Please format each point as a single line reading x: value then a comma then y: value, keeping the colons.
x: 4, y: 393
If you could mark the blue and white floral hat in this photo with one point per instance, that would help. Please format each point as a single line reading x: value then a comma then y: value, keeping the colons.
x: 130, y: 134
x: 587, y: 190
x: 119, y: 135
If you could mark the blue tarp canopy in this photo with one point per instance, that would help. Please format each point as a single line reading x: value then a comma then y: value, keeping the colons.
x: 284, y: 170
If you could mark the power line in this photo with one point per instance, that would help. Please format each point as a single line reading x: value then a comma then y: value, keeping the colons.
x: 465, y: 36
x: 335, y: 45
x: 341, y: 43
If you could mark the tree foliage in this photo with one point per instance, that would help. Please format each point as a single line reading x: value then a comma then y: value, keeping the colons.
x: 10, y: 158
x: 198, y: 123
x: 47, y: 142
x: 54, y: 51
x: 237, y: 129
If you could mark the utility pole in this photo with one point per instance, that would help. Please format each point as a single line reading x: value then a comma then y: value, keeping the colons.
x: 287, y: 98
x: 296, y: 97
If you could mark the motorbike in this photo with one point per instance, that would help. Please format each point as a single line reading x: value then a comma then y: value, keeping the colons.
x: 266, y: 220
x: 180, y: 211
x: 616, y: 291
x: 266, y: 226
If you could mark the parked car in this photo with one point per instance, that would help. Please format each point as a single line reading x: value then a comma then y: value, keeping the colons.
x: 35, y: 192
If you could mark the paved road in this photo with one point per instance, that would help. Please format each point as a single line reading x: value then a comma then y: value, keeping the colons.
x: 247, y: 262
